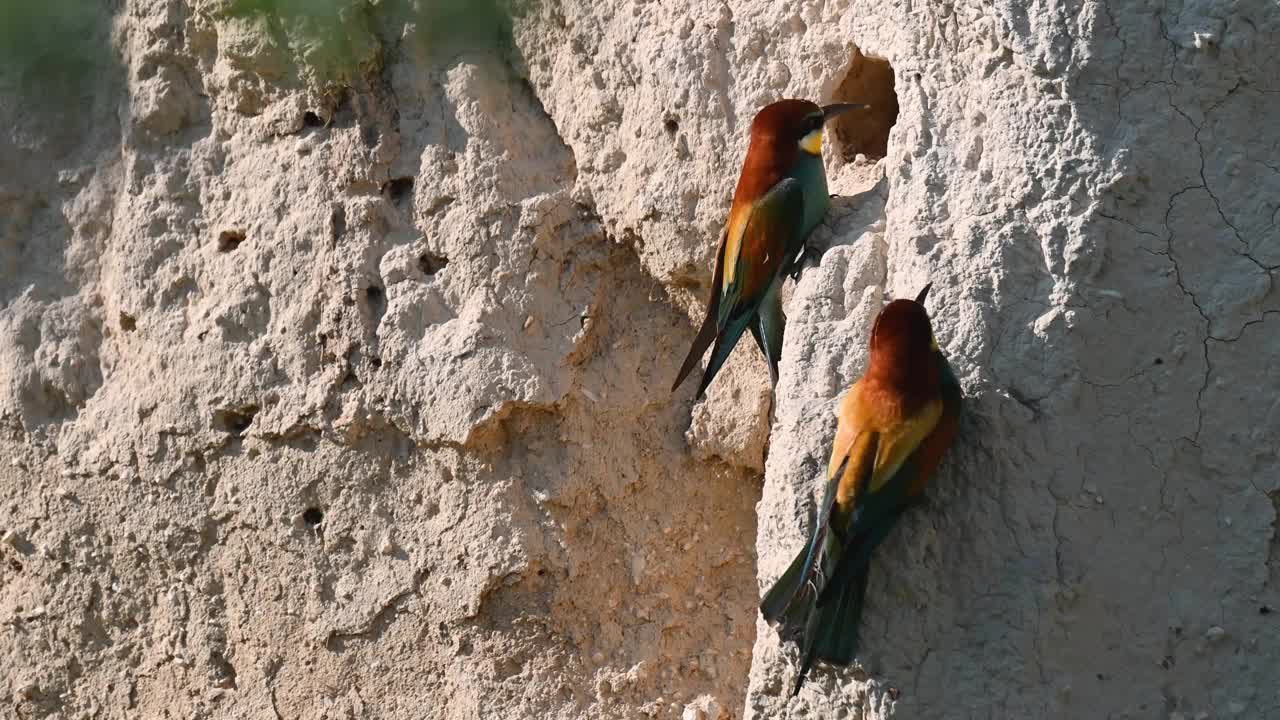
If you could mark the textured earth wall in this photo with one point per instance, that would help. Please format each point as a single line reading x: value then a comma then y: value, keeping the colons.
x: 337, y: 388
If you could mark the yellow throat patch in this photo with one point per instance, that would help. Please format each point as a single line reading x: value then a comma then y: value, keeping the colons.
x: 812, y: 143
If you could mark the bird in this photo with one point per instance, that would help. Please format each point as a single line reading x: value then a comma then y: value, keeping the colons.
x: 780, y: 198
x: 894, y: 426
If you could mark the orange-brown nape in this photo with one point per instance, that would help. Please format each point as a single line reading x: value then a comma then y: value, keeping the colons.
x: 902, y: 352
x: 775, y: 133
x: 782, y: 115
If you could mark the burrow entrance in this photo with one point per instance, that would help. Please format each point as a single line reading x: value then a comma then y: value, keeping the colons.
x: 866, y: 132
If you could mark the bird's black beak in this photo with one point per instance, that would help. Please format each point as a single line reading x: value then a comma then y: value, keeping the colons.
x: 830, y: 111
x: 923, y: 294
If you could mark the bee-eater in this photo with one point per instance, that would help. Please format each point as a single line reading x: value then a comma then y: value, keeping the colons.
x: 895, y: 424
x: 781, y: 197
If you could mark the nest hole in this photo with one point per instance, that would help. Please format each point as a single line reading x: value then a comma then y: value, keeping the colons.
x: 399, y: 189
x: 338, y: 224
x: 229, y: 240
x: 310, y: 119
x: 377, y: 299
x: 866, y: 132
x: 127, y: 322
x: 430, y: 263
x: 235, y: 422
x: 313, y: 516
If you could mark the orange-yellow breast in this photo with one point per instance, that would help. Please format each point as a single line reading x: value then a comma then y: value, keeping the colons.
x: 872, y: 408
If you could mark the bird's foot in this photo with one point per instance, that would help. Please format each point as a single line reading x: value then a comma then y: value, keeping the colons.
x: 806, y: 254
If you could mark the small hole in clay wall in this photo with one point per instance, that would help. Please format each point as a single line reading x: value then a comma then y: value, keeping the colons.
x: 313, y: 516
x: 866, y: 132
x: 127, y: 322
x: 338, y: 223
x: 399, y: 190
x: 310, y: 119
x: 430, y: 263
x: 377, y: 302
x: 229, y: 240
x: 235, y: 422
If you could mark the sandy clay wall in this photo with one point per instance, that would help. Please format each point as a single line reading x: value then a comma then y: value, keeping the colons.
x: 335, y: 353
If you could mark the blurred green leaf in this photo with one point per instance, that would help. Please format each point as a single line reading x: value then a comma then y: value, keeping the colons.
x: 54, y: 48
x: 331, y: 39
x: 463, y: 24
x: 334, y: 39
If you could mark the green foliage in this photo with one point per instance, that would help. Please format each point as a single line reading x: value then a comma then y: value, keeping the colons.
x: 54, y: 48
x: 55, y: 51
x: 463, y: 24
x: 335, y: 40
x: 332, y: 39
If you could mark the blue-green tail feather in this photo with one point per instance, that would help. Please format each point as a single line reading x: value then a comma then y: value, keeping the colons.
x: 755, y: 333
x: 769, y: 326
x: 832, y: 635
x: 720, y: 352
x: 782, y: 595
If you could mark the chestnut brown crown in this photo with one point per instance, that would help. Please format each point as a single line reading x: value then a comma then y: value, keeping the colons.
x: 787, y: 120
x: 902, y: 344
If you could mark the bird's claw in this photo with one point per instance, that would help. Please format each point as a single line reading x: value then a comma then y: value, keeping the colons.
x: 801, y: 260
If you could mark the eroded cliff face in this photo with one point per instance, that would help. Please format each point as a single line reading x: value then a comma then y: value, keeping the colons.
x: 346, y: 396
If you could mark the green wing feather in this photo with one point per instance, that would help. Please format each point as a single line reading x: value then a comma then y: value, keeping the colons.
x: 768, y: 232
x: 768, y: 328
x: 761, y: 253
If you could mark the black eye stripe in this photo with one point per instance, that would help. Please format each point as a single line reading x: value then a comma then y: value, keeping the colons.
x: 809, y: 124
